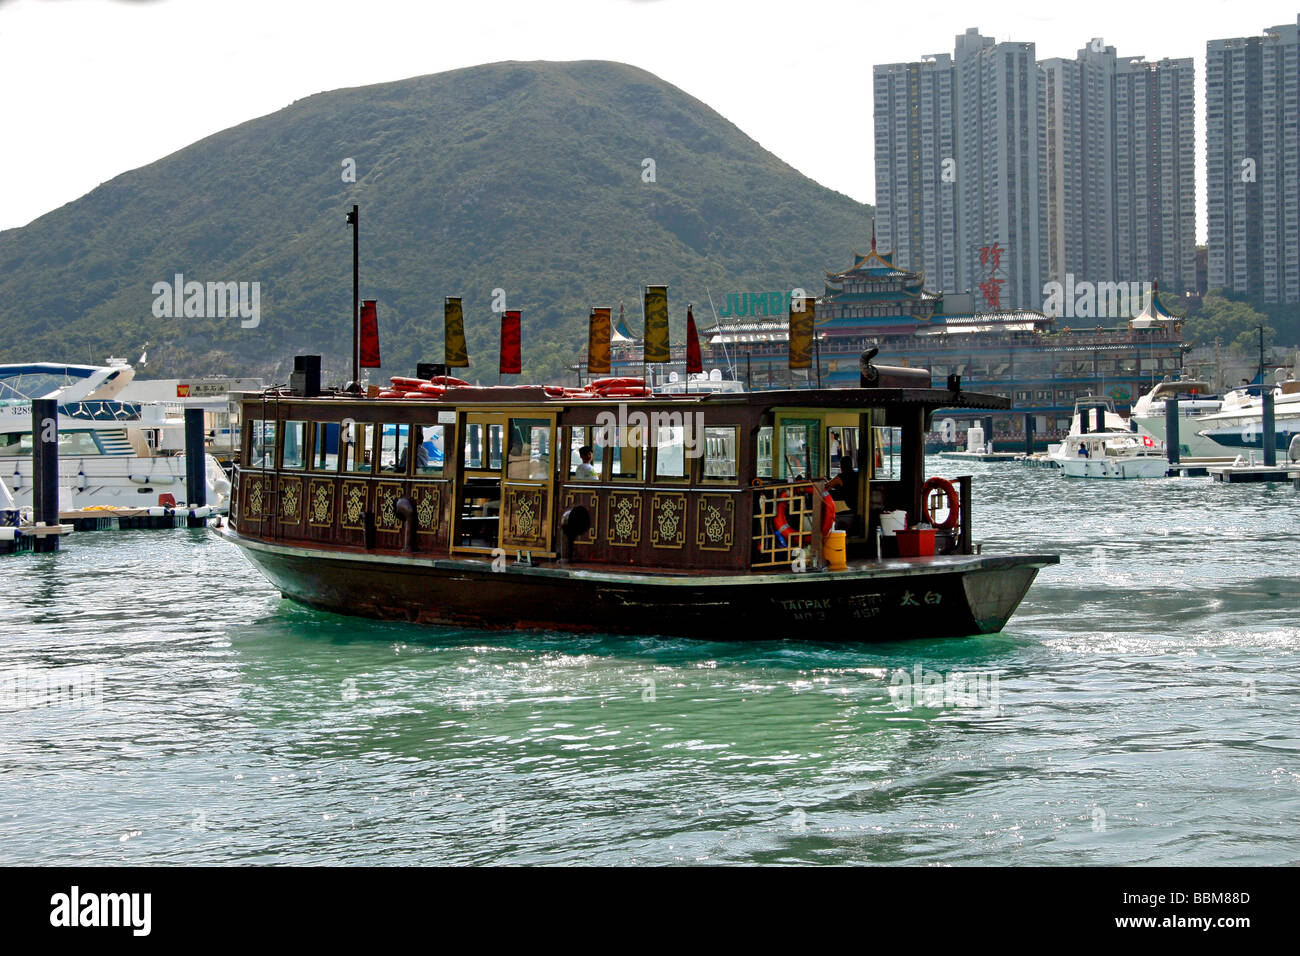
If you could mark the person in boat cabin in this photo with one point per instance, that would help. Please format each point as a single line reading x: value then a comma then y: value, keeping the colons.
x: 844, y: 486
x: 1083, y: 450
x: 421, y: 452
x: 586, y: 469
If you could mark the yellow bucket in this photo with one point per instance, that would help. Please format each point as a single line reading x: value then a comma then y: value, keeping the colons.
x: 833, y: 550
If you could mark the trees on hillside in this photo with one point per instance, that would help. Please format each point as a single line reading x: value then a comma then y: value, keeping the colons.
x: 1235, y: 323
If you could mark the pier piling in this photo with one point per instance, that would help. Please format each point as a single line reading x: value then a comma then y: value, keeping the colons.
x: 1171, y: 430
x: 1269, y: 438
x: 196, y: 487
x: 45, y: 470
x: 1029, y: 434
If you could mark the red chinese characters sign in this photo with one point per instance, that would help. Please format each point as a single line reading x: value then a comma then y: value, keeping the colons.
x: 991, y: 287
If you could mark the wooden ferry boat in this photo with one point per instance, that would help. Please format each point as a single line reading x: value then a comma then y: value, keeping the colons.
x: 700, y: 515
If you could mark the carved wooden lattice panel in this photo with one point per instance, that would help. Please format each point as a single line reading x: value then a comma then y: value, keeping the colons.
x: 320, y: 503
x: 525, y: 518
x: 291, y: 500
x: 386, y: 495
x: 255, y: 498
x: 428, y: 507
x: 623, y: 519
x: 715, y: 522
x: 354, y: 505
x: 668, y: 520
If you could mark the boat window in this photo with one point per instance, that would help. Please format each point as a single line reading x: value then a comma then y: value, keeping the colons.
x: 843, y: 441
x: 580, y: 437
x: 764, y: 458
x: 670, y: 453
x: 74, y: 444
x: 799, y: 449
x: 530, y: 448
x: 295, y: 445
x: 473, y: 457
x: 325, y: 456
x: 428, y: 449
x: 358, y: 439
x: 720, y: 454
x: 626, y: 453
x: 261, y: 444
x: 483, y: 446
x: 888, y: 451
x: 394, y: 447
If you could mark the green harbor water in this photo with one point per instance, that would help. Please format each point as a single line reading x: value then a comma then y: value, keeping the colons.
x: 1142, y: 707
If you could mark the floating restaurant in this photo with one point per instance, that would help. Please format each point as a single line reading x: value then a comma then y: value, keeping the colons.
x: 1024, y: 356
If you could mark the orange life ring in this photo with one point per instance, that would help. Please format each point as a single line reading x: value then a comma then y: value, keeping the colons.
x: 400, y: 382
x: 601, y: 384
x: 954, y: 502
x: 431, y: 389
x: 828, y: 513
x: 781, y: 523
x: 625, y: 391
x: 448, y: 381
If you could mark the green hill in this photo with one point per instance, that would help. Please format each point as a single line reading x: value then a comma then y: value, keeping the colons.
x: 522, y: 176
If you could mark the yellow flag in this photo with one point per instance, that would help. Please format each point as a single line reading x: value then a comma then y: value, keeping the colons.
x: 598, y: 342
x: 656, y: 324
x: 801, y: 331
x: 455, y: 353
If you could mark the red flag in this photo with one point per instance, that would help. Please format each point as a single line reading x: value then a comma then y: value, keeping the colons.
x: 511, y: 354
x: 694, y: 363
x: 369, y: 334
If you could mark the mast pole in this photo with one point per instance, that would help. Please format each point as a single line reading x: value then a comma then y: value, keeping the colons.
x: 354, y: 220
x: 1261, y: 354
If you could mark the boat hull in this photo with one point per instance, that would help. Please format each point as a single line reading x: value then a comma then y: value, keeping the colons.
x: 1190, y: 444
x: 117, y: 481
x: 1114, y: 468
x: 946, y: 596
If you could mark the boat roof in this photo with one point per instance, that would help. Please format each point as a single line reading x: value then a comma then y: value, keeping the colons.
x: 24, y: 381
x: 536, y: 395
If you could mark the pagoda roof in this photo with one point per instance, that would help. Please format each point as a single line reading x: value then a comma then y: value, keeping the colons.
x: 1155, y: 311
x: 876, y: 264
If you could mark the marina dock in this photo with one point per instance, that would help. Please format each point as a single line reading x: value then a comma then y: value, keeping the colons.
x: 23, y: 538
x: 1239, y: 474
x: 986, y: 456
x: 124, y: 519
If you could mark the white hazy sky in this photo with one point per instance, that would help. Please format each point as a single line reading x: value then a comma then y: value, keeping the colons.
x: 92, y: 88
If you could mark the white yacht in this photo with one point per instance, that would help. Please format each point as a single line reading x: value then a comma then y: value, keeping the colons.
x: 1195, y: 400
x: 701, y: 383
x: 1102, y: 445
x: 1238, y: 426
x: 112, y: 453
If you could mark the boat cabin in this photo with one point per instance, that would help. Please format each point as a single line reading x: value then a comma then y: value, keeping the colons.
x: 702, y: 482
